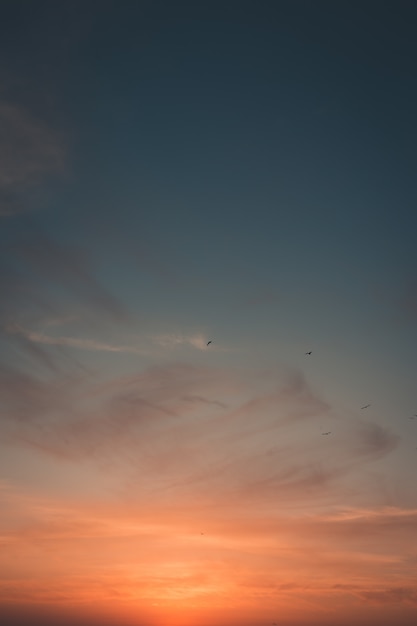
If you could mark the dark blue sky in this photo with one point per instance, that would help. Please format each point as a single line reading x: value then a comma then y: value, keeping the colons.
x: 287, y: 124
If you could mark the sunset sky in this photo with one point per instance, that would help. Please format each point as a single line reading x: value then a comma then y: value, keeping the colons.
x: 174, y: 173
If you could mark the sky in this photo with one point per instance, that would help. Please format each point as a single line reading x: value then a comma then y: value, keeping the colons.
x: 178, y: 173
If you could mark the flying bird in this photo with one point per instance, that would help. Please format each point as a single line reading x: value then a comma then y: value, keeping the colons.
x: 309, y: 352
x: 366, y: 406
x: 328, y: 433
x: 209, y: 342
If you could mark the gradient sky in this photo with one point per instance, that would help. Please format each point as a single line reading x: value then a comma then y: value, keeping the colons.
x: 179, y: 172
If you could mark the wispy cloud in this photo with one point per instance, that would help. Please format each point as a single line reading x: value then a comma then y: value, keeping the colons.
x: 29, y: 151
x: 390, y: 595
x: 375, y: 440
x: 197, y: 340
x: 201, y: 399
x: 209, y: 434
x: 44, y: 283
x: 172, y: 340
x: 72, y: 342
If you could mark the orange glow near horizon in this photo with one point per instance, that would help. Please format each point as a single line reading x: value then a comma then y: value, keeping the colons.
x: 186, y: 511
x: 236, y: 571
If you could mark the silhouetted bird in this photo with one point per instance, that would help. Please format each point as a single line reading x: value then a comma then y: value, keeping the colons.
x: 309, y: 352
x: 366, y: 406
x: 209, y: 342
x: 328, y: 433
